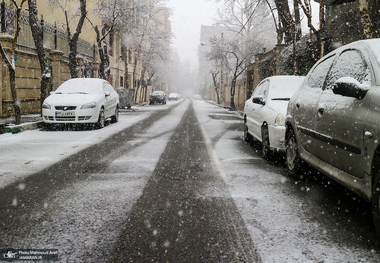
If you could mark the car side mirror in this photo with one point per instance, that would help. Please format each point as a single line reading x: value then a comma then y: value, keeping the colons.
x: 350, y: 87
x: 107, y: 93
x: 52, y: 92
x: 258, y: 100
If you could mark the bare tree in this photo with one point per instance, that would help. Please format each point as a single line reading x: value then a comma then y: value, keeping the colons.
x: 111, y: 13
x: 45, y: 64
x: 235, y: 56
x: 253, y: 26
x: 9, y: 60
x: 317, y: 52
x: 144, y: 29
x: 72, y: 37
x: 214, y: 75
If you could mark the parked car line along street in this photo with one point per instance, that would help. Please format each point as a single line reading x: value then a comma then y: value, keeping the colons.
x: 333, y: 120
x: 265, y: 111
x: 157, y: 96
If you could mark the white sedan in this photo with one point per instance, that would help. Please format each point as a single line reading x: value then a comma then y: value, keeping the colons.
x: 265, y: 112
x: 82, y: 100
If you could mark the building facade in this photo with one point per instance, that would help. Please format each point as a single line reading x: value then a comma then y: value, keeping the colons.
x: 28, y: 72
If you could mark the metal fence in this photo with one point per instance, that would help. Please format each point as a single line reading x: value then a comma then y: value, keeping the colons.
x: 54, y: 38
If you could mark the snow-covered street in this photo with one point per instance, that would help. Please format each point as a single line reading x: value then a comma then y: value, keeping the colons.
x: 89, y: 213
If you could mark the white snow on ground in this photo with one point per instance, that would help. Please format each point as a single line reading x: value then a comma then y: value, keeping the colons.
x: 276, y: 218
x: 78, y: 217
x: 32, y: 151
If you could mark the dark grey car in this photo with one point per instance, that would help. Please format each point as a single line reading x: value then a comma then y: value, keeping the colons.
x: 157, y: 96
x: 333, y: 120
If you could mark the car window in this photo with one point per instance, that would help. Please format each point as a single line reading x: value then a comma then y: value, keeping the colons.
x: 349, y: 64
x: 261, y: 89
x: 109, y: 88
x: 257, y: 90
x: 264, y: 90
x: 284, y: 88
x: 317, y: 78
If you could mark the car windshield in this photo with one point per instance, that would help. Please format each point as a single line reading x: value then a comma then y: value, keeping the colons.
x: 283, y: 89
x: 157, y: 93
x: 79, y: 87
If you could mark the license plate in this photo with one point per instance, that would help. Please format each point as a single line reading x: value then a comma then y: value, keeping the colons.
x: 64, y: 113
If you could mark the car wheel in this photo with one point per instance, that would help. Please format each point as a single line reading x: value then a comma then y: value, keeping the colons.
x: 376, y: 198
x: 101, y: 120
x: 115, y: 118
x: 247, y: 136
x: 293, y: 161
x: 266, y: 152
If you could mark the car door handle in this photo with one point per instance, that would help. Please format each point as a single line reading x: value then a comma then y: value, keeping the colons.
x: 321, y: 110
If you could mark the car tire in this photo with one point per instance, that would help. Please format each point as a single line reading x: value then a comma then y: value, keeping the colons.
x: 101, y: 120
x: 265, y: 152
x: 115, y: 118
x: 247, y: 136
x: 293, y: 161
x: 375, y: 200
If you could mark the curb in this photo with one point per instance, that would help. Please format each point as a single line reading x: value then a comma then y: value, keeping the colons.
x: 20, y: 128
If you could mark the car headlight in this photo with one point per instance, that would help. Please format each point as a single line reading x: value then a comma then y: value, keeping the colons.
x: 89, y: 106
x: 46, y: 106
x: 280, y: 120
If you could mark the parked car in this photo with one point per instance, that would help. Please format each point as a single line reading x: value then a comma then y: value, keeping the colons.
x: 157, y: 96
x: 174, y: 96
x: 82, y: 100
x: 265, y: 111
x: 333, y: 120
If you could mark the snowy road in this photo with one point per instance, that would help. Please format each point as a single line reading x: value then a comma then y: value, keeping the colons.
x: 172, y: 183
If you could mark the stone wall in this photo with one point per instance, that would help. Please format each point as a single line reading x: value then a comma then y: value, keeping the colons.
x: 28, y: 75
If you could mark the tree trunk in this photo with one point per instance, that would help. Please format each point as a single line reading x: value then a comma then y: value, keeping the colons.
x: 45, y: 63
x: 215, y: 86
x: 297, y: 21
x: 10, y: 62
x: 73, y: 40
x: 102, y: 54
x: 16, y: 102
x: 365, y: 19
x: 286, y: 18
x: 233, y: 86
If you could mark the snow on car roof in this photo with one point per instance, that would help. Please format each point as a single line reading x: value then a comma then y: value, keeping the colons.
x: 83, y: 85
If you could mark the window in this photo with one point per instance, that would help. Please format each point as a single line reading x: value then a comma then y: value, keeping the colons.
x: 121, y: 81
x: 349, y: 64
x: 317, y: 78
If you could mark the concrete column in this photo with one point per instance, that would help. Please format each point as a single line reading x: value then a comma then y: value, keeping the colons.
x: 95, y: 68
x: 80, y: 61
x: 56, y: 63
